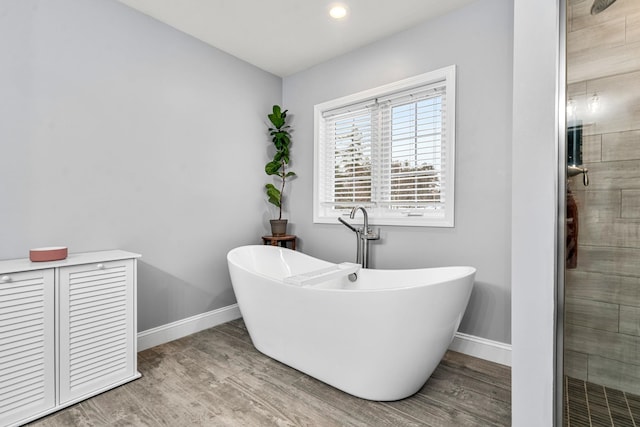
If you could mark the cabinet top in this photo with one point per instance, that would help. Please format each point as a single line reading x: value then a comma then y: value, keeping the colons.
x: 25, y: 264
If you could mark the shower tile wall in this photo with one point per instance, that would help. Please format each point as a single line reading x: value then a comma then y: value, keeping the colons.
x: 602, y: 296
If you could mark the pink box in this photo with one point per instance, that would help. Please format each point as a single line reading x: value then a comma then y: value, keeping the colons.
x: 54, y: 253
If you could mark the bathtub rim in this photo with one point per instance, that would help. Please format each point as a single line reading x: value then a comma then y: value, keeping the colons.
x: 468, y: 271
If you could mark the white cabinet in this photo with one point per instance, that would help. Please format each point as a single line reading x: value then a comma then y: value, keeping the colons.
x: 67, y: 331
x: 96, y: 327
x: 26, y: 344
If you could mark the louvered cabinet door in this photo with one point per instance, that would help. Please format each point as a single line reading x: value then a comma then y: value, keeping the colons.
x: 97, y: 334
x: 27, y: 371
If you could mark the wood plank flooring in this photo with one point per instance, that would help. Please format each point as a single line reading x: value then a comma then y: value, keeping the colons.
x: 217, y: 378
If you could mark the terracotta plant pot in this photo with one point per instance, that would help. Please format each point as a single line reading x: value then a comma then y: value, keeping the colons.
x: 278, y: 227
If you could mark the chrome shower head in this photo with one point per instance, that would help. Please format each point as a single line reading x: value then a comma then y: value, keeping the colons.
x: 600, y: 5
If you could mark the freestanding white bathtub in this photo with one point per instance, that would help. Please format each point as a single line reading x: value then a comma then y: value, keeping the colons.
x: 378, y: 338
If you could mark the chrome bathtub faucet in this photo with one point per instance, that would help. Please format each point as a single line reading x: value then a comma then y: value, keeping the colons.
x: 363, y: 236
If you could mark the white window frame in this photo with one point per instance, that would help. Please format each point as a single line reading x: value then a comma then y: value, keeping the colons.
x: 379, y: 215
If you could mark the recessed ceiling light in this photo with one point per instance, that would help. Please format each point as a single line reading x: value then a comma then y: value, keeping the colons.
x: 338, y: 11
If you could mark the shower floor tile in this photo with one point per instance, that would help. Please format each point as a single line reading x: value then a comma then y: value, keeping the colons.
x: 588, y: 404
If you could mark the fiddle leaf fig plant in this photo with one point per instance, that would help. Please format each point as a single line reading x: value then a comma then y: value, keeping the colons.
x: 281, y: 139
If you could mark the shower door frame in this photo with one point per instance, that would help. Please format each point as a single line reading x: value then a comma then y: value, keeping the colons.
x: 562, y: 206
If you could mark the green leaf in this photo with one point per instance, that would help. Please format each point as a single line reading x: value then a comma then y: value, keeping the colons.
x: 274, y: 194
x: 272, y: 167
x: 277, y: 117
x: 281, y: 138
x: 290, y: 174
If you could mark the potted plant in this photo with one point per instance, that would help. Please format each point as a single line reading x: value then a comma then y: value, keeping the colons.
x: 281, y: 139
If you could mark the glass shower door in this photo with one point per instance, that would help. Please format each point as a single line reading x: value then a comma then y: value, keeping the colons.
x: 602, y: 267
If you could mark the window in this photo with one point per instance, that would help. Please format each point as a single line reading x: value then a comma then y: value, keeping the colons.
x: 390, y: 149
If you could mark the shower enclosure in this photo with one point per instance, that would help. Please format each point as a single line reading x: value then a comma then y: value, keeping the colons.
x: 601, y: 324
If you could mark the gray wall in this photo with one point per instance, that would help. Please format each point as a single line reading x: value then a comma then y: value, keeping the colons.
x: 117, y: 131
x: 478, y: 39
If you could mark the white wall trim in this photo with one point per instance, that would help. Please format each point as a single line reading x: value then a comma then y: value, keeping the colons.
x: 190, y: 325
x: 482, y: 348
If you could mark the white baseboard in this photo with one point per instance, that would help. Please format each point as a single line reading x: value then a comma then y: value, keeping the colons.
x: 190, y: 325
x: 482, y: 348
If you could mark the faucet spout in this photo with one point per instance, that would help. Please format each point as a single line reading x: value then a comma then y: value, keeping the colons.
x: 365, y: 226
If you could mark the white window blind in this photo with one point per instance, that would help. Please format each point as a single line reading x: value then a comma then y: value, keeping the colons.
x: 348, y: 135
x: 390, y: 149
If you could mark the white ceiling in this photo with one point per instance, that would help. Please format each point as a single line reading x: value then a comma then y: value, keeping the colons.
x: 287, y: 36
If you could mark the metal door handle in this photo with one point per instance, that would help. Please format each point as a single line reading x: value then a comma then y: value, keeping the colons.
x: 576, y: 170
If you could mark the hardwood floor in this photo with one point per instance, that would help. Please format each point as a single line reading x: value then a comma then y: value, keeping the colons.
x: 217, y: 378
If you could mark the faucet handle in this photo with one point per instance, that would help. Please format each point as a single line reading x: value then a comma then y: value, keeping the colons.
x: 372, y: 235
